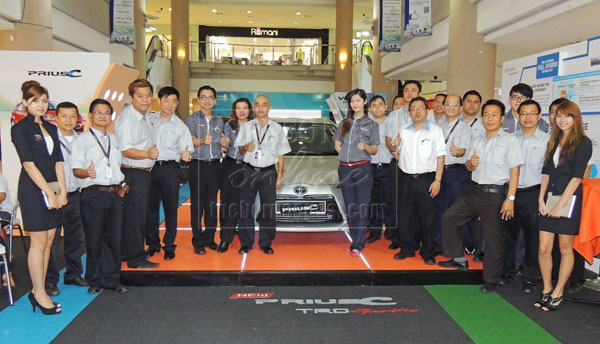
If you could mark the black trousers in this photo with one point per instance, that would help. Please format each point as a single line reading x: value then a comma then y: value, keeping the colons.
x: 262, y: 182
x: 487, y: 206
x: 232, y: 179
x: 164, y: 187
x: 391, y: 232
x: 454, y: 186
x: 380, y: 208
x: 356, y: 183
x: 526, y: 217
x: 102, y: 217
x: 417, y: 213
x: 135, y: 206
x: 74, y: 240
x: 204, y: 186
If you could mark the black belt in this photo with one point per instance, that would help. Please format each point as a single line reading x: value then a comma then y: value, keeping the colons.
x: 418, y: 175
x: 236, y: 161
x: 530, y: 188
x: 453, y: 166
x: 72, y: 193
x: 259, y: 168
x: 209, y: 162
x: 164, y: 162
x: 491, y: 188
x: 380, y: 166
x: 105, y: 188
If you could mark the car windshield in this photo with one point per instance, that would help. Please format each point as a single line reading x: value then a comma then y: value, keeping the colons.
x: 308, y: 138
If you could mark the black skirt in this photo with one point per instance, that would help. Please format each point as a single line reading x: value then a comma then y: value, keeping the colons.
x: 563, y: 225
x: 36, y: 216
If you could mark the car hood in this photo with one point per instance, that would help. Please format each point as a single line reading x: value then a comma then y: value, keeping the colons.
x: 312, y: 170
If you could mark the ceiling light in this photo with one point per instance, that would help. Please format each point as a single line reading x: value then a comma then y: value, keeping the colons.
x: 170, y: 9
x: 219, y: 21
x: 298, y: 13
x: 249, y: 12
x: 250, y: 22
x: 214, y: 10
x: 366, y: 33
x: 358, y: 34
x: 295, y: 23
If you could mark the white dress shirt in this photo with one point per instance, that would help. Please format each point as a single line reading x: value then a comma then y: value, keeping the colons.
x: 133, y: 131
x: 419, y: 149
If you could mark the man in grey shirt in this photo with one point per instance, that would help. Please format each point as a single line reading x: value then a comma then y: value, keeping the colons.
x: 518, y: 94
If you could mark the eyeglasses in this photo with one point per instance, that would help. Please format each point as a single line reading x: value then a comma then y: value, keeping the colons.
x: 452, y: 105
x: 102, y: 113
x: 418, y: 108
x: 532, y: 114
x: 207, y: 98
x: 516, y: 97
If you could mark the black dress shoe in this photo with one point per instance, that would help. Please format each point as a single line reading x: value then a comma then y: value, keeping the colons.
x: 145, y: 265
x: 169, y: 255
x: 528, y: 287
x: 429, y: 261
x: 199, y: 250
x: 394, y: 246
x: 453, y: 264
x: 78, y: 281
x: 505, y: 279
x: 213, y: 246
x: 118, y: 289
x: 372, y: 238
x: 94, y: 290
x: 267, y: 250
x: 52, y: 289
x: 488, y: 287
x: 401, y: 255
x: 574, y: 288
x: 151, y: 251
x: 223, y: 247
x: 244, y: 250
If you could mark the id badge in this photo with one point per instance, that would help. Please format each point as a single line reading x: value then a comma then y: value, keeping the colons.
x: 258, y: 154
x: 108, y: 172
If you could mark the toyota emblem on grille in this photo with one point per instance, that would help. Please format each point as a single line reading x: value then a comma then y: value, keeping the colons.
x: 300, y: 190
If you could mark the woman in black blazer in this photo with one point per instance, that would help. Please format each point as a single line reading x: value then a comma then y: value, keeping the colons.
x: 42, y: 175
x: 567, y: 156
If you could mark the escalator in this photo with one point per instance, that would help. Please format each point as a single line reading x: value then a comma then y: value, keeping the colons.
x: 158, y: 66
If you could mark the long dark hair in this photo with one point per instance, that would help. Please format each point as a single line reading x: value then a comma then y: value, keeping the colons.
x: 345, y: 125
x: 233, y: 122
x: 575, y: 136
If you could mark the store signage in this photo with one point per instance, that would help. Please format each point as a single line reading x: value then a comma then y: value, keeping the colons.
x: 257, y: 31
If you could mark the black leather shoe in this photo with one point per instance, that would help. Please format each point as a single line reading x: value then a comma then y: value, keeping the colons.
x: 429, y: 261
x: 78, y: 281
x: 94, y: 290
x: 267, y: 250
x: 169, y: 255
x: 488, y: 287
x: 199, y: 250
x: 574, y: 288
x: 453, y: 264
x: 401, y: 255
x: 505, y: 279
x: 151, y: 251
x: 118, y: 289
x: 213, y: 246
x: 244, y: 250
x: 372, y: 238
x: 394, y: 246
x: 478, y: 258
x: 528, y: 287
x: 145, y: 265
x: 223, y: 247
x: 52, y: 289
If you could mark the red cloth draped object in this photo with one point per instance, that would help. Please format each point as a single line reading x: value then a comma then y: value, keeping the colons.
x: 587, y: 243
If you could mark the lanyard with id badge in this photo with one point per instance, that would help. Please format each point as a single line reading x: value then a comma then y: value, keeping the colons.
x: 258, y: 153
x: 108, y: 170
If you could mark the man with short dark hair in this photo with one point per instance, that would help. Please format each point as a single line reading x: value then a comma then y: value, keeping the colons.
x: 438, y: 108
x: 138, y: 148
x: 495, y: 160
x: 205, y: 170
x: 518, y: 94
x: 174, y: 143
x: 67, y: 116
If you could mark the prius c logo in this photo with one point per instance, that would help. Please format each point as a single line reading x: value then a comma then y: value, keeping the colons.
x: 74, y: 73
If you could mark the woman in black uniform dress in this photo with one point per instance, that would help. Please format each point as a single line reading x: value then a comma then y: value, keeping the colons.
x: 567, y: 156
x: 38, y: 148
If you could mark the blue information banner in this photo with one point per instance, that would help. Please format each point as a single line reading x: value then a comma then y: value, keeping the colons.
x: 547, y: 66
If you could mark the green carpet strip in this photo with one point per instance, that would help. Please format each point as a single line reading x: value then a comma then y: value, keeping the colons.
x: 488, y: 318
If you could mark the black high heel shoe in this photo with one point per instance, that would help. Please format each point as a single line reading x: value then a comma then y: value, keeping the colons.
x: 553, y: 304
x: 47, y: 311
x: 543, y: 299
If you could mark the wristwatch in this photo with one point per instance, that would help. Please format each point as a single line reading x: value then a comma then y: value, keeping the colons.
x: 511, y: 197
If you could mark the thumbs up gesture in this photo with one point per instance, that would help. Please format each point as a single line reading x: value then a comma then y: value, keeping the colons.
x: 475, y: 158
x: 91, y: 170
x: 453, y: 149
x: 250, y: 146
x: 361, y: 145
x: 207, y: 139
x: 186, y: 155
x: 153, y: 152
x: 224, y: 141
x: 397, y: 140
